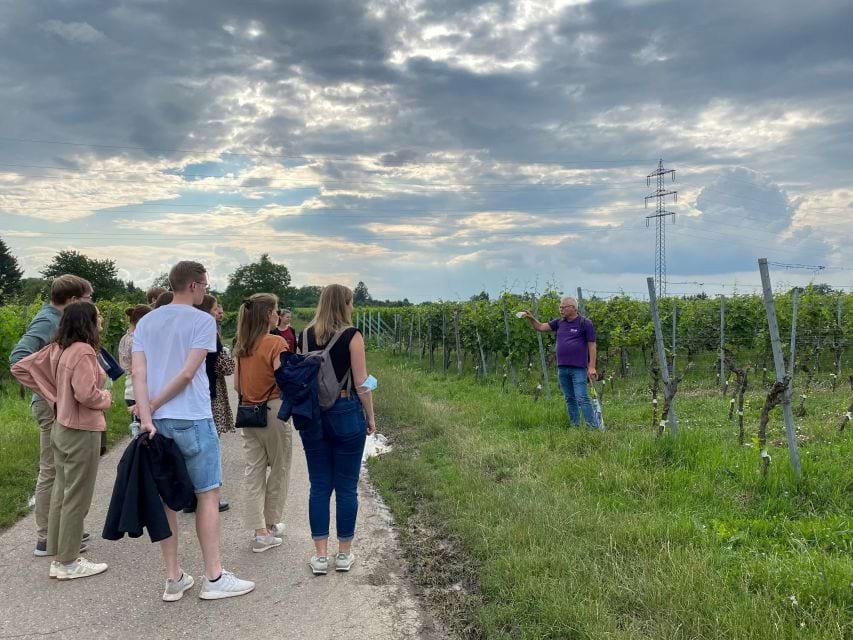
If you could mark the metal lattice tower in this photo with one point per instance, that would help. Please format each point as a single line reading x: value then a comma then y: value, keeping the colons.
x: 660, y: 194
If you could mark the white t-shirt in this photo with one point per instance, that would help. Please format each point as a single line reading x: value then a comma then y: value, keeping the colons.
x: 166, y: 336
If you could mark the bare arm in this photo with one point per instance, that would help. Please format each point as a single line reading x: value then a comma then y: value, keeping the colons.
x: 142, y: 408
x: 358, y: 361
x: 147, y: 406
x: 180, y: 381
x: 542, y: 327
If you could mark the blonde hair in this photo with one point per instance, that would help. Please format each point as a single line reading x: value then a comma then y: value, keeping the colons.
x: 331, y: 315
x: 253, y: 322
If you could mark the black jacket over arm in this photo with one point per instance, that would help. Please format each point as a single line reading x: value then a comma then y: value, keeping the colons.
x: 150, y: 472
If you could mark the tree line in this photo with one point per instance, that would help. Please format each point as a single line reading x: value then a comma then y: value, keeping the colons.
x: 264, y: 275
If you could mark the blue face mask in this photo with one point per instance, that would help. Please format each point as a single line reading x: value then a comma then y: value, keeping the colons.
x: 369, y: 384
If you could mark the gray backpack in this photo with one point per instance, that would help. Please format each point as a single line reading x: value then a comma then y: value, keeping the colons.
x: 327, y: 380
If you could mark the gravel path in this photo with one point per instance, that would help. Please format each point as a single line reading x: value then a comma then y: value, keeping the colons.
x: 375, y: 600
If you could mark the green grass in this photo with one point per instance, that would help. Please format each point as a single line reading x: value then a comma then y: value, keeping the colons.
x: 577, y: 534
x: 19, y: 447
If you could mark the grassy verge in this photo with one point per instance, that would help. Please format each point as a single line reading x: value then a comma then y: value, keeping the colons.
x: 563, y: 533
x: 19, y: 447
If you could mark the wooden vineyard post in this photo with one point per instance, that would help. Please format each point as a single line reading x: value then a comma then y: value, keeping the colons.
x: 795, y: 295
x: 542, y: 362
x: 370, y: 325
x: 661, y: 351
x: 838, y: 343
x: 429, y: 344
x: 482, y: 354
x: 779, y: 364
x: 411, y: 336
x: 849, y: 415
x: 458, y: 341
x: 420, y: 341
x: 445, y: 357
x: 674, y: 325
x: 379, y: 329
x: 509, y: 346
x: 723, y: 381
x: 654, y: 389
x: 580, y: 302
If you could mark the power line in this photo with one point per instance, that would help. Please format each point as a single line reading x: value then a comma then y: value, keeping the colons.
x: 302, y: 156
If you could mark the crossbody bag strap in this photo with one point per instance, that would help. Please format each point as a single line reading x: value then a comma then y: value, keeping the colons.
x: 239, y: 382
x: 303, y: 348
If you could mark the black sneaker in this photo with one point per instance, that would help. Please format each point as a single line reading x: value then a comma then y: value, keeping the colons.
x: 223, y: 506
x: 41, y: 547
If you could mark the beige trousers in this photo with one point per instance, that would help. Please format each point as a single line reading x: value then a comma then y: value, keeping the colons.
x: 76, y: 455
x: 268, y: 451
x: 43, y: 413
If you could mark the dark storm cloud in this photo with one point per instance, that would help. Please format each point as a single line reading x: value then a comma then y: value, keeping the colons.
x: 605, y: 86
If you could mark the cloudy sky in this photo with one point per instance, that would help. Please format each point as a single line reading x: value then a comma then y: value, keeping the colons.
x: 431, y: 148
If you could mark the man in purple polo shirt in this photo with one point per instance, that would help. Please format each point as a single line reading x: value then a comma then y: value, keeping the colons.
x: 576, y: 352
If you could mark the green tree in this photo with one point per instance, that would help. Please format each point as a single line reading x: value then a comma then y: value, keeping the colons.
x: 34, y: 289
x: 101, y: 273
x: 263, y: 276
x: 307, y: 296
x: 162, y: 281
x: 360, y: 294
x: 10, y: 274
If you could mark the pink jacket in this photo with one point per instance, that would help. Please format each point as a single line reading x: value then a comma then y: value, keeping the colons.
x: 71, y: 380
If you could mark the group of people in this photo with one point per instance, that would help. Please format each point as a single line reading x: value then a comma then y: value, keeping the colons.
x: 177, y: 388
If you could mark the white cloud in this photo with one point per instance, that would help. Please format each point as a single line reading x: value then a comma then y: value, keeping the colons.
x: 74, y: 32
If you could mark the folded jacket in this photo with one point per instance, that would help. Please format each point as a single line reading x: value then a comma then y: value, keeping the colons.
x: 110, y: 365
x: 300, y: 394
x: 150, y: 472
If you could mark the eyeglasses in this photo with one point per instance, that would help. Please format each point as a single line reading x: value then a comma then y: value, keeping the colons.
x: 203, y: 284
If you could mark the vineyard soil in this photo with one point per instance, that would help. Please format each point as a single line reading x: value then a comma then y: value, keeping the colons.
x: 550, y: 532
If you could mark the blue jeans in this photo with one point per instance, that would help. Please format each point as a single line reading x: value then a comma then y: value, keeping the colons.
x: 573, y: 384
x: 199, y: 444
x: 333, y: 452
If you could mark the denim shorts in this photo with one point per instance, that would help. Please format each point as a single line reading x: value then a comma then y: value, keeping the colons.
x: 199, y: 444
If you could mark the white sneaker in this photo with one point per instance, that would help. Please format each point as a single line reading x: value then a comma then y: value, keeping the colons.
x: 276, y: 530
x: 228, y: 586
x: 175, y: 588
x: 262, y: 543
x: 54, y: 569
x: 319, y: 565
x: 81, y: 568
x: 344, y: 561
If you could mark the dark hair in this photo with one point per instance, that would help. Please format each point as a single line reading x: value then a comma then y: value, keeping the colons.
x: 134, y: 314
x: 68, y: 286
x: 153, y: 293
x: 165, y: 298
x: 208, y: 303
x: 79, y: 323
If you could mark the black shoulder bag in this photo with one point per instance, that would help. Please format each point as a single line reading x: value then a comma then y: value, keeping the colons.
x: 249, y: 415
